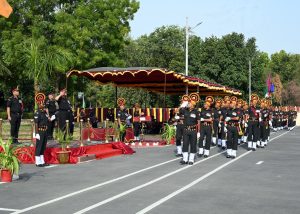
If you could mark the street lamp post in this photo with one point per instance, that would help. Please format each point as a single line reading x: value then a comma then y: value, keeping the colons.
x: 250, y: 68
x: 187, y: 31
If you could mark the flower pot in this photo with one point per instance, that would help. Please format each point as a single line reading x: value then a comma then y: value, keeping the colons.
x: 6, y: 175
x: 63, y: 157
x: 172, y: 141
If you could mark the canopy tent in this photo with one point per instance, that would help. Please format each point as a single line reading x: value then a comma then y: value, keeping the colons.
x: 156, y: 80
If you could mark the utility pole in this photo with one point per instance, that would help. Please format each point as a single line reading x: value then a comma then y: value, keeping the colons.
x: 187, y: 53
x: 249, y: 81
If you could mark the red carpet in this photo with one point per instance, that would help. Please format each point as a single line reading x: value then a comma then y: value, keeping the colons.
x: 100, y: 151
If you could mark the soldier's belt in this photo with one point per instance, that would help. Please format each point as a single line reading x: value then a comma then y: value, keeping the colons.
x: 205, y: 123
x: 191, y: 128
x: 232, y: 124
x: 42, y: 128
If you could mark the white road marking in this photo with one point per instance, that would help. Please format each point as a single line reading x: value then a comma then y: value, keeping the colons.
x: 259, y: 162
x: 7, y: 209
x: 51, y: 166
x: 86, y: 161
x: 147, y: 209
x: 93, y: 187
x: 142, y: 186
x: 161, y: 201
x: 96, y: 186
x: 2, y: 182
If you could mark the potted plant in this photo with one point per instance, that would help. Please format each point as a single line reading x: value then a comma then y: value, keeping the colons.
x: 119, y: 130
x: 64, y: 139
x: 9, y: 161
x: 168, y: 133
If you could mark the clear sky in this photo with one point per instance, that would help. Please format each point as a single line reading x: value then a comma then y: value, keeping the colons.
x: 274, y: 23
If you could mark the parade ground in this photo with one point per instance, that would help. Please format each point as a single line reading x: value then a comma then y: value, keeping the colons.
x: 152, y: 181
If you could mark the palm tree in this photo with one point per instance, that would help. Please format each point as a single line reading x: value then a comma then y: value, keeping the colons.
x: 3, y: 69
x: 42, y: 60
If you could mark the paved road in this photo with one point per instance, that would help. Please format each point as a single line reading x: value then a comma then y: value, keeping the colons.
x: 152, y: 181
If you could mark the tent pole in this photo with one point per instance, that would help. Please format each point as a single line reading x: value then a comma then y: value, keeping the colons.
x: 165, y: 90
x: 116, y: 96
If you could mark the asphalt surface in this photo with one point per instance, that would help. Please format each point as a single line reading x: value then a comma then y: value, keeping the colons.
x: 152, y: 181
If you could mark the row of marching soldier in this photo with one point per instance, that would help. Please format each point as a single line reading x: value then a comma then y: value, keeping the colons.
x: 226, y: 123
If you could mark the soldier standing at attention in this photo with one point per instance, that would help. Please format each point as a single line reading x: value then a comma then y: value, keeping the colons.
x: 206, y: 124
x: 14, y: 114
x: 51, y: 108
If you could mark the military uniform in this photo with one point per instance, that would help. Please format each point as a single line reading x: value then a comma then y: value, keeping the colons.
x: 41, y: 123
x: 223, y: 132
x: 15, y: 105
x: 264, y: 125
x: 64, y: 112
x: 292, y: 115
x: 217, y: 113
x: 137, y: 124
x: 179, y: 132
x: 52, y: 107
x: 206, y: 114
x: 276, y: 117
x: 245, y: 123
x: 191, y: 118
x: 232, y: 125
x: 253, y: 125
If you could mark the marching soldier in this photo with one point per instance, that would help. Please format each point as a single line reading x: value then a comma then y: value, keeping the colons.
x: 245, y: 121
x: 285, y: 117
x: 217, y: 112
x: 225, y: 109
x: 14, y: 114
x: 64, y: 110
x: 232, y: 125
x: 51, y: 108
x: 179, y: 118
x: 41, y: 119
x: 191, y: 120
x: 253, y: 123
x: 264, y: 123
x: 241, y: 113
x: 281, y: 117
x: 123, y: 117
x: 292, y: 115
x: 206, y: 123
x: 276, y: 116
x: 269, y: 107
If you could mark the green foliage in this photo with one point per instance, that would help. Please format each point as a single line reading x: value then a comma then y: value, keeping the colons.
x: 41, y: 41
x: 9, y: 157
x: 168, y: 132
x: 63, y: 138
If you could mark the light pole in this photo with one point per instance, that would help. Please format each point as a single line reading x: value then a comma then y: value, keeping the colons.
x: 250, y: 81
x: 187, y: 32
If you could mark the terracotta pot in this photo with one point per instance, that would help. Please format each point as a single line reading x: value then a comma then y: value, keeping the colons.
x: 172, y: 141
x: 63, y: 156
x: 6, y: 175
